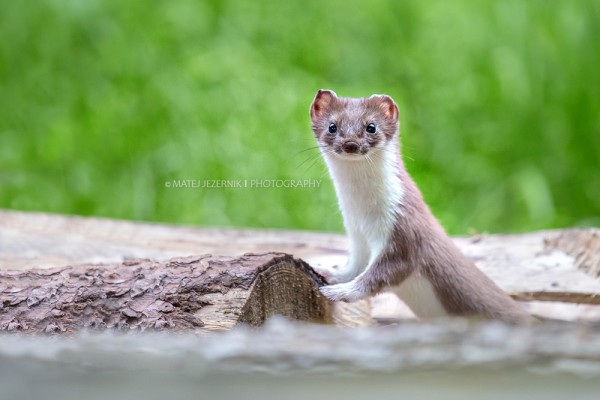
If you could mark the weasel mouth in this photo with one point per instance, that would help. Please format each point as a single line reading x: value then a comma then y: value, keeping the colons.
x: 349, y: 156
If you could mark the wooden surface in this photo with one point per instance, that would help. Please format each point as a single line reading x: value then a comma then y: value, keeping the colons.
x: 547, y: 268
x: 199, y: 293
x: 37, y: 240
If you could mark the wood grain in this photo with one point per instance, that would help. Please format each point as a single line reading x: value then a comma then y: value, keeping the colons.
x: 201, y: 293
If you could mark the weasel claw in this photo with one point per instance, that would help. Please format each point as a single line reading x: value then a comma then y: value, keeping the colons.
x: 346, y: 292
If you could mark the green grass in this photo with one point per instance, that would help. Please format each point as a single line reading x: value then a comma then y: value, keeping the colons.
x: 102, y: 102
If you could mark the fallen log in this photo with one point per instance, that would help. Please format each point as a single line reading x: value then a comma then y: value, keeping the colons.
x: 201, y: 293
x: 554, y: 273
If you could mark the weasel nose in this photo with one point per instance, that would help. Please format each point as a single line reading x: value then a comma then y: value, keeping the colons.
x: 350, y: 147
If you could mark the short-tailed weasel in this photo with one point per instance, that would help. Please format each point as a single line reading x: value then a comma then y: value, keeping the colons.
x: 396, y: 244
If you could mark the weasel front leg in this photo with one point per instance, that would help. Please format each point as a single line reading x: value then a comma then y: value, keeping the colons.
x: 358, y: 260
x: 347, y: 291
x: 372, y: 280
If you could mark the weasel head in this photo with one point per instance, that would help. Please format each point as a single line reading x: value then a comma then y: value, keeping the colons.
x: 351, y: 128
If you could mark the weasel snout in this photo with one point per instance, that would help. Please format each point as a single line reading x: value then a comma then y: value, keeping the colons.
x: 350, y: 146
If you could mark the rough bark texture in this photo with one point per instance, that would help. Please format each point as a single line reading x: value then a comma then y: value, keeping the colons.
x: 191, y: 293
x: 554, y: 272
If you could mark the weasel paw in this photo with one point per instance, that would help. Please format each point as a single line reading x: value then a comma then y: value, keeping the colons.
x: 331, y: 274
x: 347, y: 292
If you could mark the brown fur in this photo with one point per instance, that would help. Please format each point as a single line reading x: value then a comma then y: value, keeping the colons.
x: 419, y: 243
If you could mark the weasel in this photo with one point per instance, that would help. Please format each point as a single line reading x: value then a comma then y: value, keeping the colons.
x: 396, y: 244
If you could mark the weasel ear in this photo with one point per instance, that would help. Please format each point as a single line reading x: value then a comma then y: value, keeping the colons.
x: 387, y: 105
x: 322, y: 101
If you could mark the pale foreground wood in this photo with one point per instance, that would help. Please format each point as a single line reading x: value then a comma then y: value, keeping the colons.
x: 549, y: 267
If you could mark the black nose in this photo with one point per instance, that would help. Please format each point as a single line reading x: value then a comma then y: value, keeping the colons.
x: 350, y: 147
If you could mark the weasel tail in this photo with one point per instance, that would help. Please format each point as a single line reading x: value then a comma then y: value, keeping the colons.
x: 396, y: 244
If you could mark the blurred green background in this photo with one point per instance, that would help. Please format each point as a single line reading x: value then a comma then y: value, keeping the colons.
x: 102, y: 102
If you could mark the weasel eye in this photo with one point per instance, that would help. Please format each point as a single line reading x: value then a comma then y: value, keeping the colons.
x: 332, y: 128
x: 371, y: 128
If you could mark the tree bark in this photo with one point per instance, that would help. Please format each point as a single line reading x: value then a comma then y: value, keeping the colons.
x: 554, y: 273
x: 202, y: 293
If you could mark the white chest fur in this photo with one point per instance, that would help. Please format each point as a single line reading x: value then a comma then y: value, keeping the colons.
x: 418, y: 293
x: 370, y: 194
